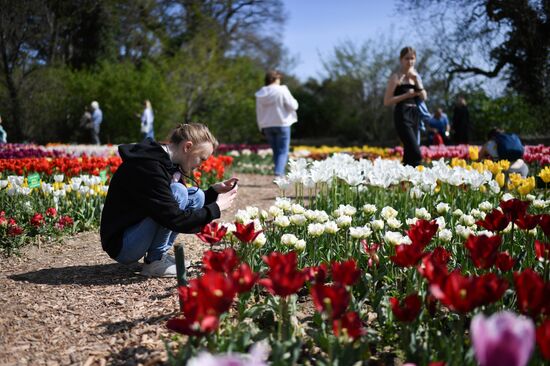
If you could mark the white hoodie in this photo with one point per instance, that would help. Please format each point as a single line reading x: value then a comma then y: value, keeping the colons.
x: 275, y: 106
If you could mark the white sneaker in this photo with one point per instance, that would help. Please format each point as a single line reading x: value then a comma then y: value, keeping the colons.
x: 173, y: 260
x: 164, y: 267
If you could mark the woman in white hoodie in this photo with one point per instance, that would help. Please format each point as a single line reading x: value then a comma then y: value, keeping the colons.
x: 276, y: 112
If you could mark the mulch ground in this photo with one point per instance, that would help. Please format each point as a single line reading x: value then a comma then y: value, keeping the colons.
x: 68, y: 303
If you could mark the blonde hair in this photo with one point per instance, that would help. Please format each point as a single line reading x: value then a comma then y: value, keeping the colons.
x: 197, y: 133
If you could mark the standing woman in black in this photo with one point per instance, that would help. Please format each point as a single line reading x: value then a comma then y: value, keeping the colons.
x: 403, y: 87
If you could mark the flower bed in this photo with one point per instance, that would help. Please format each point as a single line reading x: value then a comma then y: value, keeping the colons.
x: 372, y: 262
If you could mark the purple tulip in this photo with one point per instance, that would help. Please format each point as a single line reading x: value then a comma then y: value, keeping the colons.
x: 503, y: 339
x: 257, y: 357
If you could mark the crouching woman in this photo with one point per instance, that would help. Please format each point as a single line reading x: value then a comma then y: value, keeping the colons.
x: 148, y: 204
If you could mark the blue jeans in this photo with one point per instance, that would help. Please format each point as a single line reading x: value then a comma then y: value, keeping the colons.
x: 150, y: 134
x: 95, y: 135
x: 279, y: 139
x: 150, y: 239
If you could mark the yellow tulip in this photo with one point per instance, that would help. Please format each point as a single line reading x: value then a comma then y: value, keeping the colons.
x: 474, y: 152
x: 545, y: 174
x: 527, y: 185
x: 499, y: 178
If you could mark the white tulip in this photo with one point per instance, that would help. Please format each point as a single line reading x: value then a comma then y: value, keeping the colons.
x: 282, y: 221
x: 440, y: 221
x: 331, y: 227
x: 275, y: 211
x: 377, y: 225
x: 394, y: 223
x: 467, y: 220
x: 393, y: 237
x: 458, y: 212
x: 442, y: 208
x: 343, y: 221
x: 388, y: 213
x: 315, y: 229
x: 507, y: 197
x: 289, y: 239
x: 369, y: 209
x: 298, y: 220
x: 300, y: 245
x: 283, y: 203
x: 416, y: 193
x: 445, y: 235
x: 297, y: 209
x: 422, y: 213
x: 485, y: 206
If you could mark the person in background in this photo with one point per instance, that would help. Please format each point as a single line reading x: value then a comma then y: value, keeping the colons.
x: 461, y: 122
x: 505, y: 146
x: 275, y: 113
x: 86, y: 122
x: 97, y: 118
x: 3, y: 133
x: 147, y: 118
x: 402, y: 89
x: 439, y: 128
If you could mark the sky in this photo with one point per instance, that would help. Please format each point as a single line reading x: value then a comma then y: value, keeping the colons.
x: 314, y: 27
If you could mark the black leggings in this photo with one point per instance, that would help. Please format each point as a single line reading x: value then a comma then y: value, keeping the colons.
x: 406, y: 119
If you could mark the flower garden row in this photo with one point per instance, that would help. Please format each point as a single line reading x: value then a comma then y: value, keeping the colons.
x: 437, y: 265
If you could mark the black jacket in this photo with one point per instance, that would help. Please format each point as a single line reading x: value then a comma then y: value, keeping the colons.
x: 140, y: 188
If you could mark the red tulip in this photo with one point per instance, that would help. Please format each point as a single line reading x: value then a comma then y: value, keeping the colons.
x: 514, y: 208
x: 212, y: 233
x: 14, y: 230
x: 52, y: 212
x: 316, y: 274
x: 345, y: 273
x: 244, y: 278
x: 544, y: 224
x: 193, y: 327
x: 349, y: 325
x: 494, y: 221
x: 283, y: 277
x: 504, y: 261
x: 246, y: 233
x: 533, y: 296
x: 330, y: 298
x: 543, y: 339
x: 408, y: 309
x: 224, y: 261
x: 422, y: 232
x: 464, y: 293
x: 528, y: 222
x: 216, y: 292
x: 483, y: 249
x: 434, y: 265
x: 542, y: 250
x: 37, y: 220
x: 407, y: 255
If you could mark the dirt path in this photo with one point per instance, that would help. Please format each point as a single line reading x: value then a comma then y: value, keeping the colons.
x: 69, y: 303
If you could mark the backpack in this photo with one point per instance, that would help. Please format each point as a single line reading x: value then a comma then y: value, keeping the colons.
x: 509, y: 146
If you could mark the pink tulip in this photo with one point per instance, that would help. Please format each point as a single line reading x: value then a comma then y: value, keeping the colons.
x: 503, y: 339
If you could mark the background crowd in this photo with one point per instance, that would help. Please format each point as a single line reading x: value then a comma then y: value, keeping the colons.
x: 194, y: 64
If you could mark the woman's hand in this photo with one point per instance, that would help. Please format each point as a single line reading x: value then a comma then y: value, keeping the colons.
x: 224, y: 187
x: 225, y: 200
